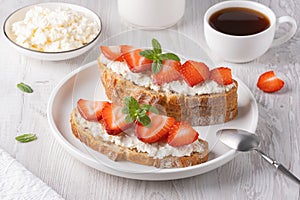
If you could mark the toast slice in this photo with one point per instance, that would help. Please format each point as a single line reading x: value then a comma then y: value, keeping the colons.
x: 198, y: 110
x: 94, y: 136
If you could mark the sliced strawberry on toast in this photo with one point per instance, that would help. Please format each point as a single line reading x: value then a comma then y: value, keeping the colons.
x: 113, y: 119
x: 194, y: 72
x: 268, y: 82
x: 182, y: 133
x: 222, y: 75
x: 115, y: 53
x: 158, y: 129
x: 91, y: 110
x: 136, y: 62
x: 169, y: 72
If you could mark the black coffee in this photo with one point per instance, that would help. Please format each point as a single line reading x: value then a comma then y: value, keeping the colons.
x: 239, y: 21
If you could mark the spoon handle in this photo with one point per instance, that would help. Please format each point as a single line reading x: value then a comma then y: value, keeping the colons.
x: 278, y: 166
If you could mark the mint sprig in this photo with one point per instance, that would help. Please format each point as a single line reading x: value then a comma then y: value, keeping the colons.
x: 157, y: 56
x: 134, y: 112
x: 24, y: 87
x: 26, y: 138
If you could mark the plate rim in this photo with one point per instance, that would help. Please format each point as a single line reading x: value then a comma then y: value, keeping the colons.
x: 71, y: 149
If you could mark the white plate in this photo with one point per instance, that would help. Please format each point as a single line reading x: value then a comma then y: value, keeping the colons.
x: 84, y: 83
x: 19, y: 15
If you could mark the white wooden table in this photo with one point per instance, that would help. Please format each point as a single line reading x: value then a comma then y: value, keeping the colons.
x: 246, y: 177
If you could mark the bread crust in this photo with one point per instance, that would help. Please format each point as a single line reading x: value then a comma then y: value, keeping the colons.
x: 118, y: 153
x: 199, y: 110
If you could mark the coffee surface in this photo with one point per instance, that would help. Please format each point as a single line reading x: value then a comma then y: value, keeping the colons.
x: 239, y: 21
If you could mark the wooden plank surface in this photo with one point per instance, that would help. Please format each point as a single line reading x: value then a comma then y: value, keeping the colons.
x: 246, y: 177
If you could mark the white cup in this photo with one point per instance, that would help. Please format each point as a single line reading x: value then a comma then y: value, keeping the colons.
x: 151, y: 14
x: 240, y: 49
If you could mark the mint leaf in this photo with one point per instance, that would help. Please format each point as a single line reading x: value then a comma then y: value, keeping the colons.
x: 26, y: 138
x: 150, y: 108
x: 125, y: 110
x: 146, y: 107
x: 24, y: 88
x: 144, y: 120
x: 157, y: 56
x: 148, y: 54
x: 153, y: 110
x: 132, y: 103
x: 134, y: 112
x: 131, y: 109
x: 169, y: 56
x: 142, y: 113
x: 129, y: 119
x: 156, y: 46
x: 156, y: 66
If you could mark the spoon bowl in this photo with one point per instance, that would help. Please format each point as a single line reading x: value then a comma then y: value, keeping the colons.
x: 240, y: 140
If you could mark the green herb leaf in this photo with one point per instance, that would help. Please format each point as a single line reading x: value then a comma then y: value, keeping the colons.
x: 153, y: 110
x: 26, y: 138
x: 144, y: 120
x: 131, y: 109
x: 24, y: 87
x: 157, y: 56
x: 132, y: 103
x: 146, y: 107
x: 125, y: 110
x: 150, y: 108
x: 156, y: 66
x: 134, y: 112
x: 169, y: 56
x: 129, y: 119
x: 142, y: 112
x: 148, y: 54
x: 156, y: 46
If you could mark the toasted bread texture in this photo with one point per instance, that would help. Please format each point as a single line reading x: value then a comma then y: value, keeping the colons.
x: 198, y: 110
x: 119, y: 153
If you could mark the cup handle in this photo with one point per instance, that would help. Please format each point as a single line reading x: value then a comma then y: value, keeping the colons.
x: 289, y: 34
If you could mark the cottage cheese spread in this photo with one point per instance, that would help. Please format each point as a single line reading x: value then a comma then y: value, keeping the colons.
x: 180, y: 87
x: 129, y: 140
x: 55, y: 30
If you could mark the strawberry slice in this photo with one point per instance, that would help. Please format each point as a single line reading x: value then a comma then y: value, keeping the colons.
x: 159, y: 128
x: 194, y: 72
x: 115, y: 52
x: 169, y: 72
x: 182, y: 133
x: 268, y: 82
x: 136, y: 62
x: 222, y: 75
x: 113, y: 119
x: 91, y: 110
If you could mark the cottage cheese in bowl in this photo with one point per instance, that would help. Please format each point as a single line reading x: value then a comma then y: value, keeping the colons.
x: 52, y: 31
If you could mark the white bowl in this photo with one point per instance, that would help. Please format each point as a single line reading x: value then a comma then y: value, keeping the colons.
x: 19, y: 15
